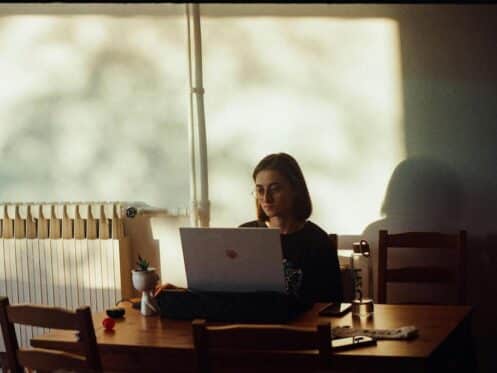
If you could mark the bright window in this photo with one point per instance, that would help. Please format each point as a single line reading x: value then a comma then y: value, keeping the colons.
x: 94, y: 108
x: 326, y: 90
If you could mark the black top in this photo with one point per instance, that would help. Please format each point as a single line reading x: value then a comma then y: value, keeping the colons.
x: 310, y: 250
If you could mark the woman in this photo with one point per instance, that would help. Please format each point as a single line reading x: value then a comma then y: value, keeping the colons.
x: 283, y: 201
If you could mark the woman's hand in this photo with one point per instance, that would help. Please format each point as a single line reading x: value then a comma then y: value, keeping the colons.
x: 165, y: 286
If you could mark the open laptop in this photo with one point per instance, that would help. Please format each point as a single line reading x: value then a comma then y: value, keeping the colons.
x: 233, y: 259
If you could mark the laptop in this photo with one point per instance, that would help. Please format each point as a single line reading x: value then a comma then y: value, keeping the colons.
x: 233, y: 259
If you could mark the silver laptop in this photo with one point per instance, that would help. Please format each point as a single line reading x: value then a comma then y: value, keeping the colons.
x: 233, y: 259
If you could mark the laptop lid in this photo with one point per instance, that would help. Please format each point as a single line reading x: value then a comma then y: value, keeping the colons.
x: 233, y: 259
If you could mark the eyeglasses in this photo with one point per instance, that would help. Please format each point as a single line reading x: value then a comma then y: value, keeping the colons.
x: 272, y: 190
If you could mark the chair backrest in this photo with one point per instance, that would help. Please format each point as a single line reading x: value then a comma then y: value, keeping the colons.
x: 259, y: 338
x: 334, y: 241
x: 86, y: 359
x: 454, y: 244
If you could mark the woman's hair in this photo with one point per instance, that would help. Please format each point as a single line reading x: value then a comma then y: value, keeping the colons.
x: 287, y: 166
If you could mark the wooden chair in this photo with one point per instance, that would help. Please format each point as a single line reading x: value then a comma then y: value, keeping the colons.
x: 454, y: 244
x: 334, y: 241
x: 3, y: 361
x: 257, y: 339
x: 54, y: 318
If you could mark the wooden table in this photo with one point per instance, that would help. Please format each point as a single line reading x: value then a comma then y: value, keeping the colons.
x: 154, y: 344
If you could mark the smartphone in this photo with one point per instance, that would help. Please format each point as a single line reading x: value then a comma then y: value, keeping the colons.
x: 348, y: 343
x: 335, y: 309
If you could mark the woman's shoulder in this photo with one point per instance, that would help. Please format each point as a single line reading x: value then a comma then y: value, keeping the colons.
x: 253, y: 224
x: 320, y: 241
x: 315, y: 229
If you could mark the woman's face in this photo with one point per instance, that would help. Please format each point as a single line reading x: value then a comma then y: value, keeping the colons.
x: 274, y: 193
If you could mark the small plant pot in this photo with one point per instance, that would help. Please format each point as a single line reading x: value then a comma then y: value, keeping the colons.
x: 145, y: 282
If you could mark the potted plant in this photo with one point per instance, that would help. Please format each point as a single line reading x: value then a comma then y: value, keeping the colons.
x: 142, y: 264
x: 144, y: 279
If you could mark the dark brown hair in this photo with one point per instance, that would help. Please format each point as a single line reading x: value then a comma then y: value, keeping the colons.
x: 286, y: 165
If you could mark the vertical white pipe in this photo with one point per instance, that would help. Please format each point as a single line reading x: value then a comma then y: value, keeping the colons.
x: 191, y: 132
x: 204, y: 205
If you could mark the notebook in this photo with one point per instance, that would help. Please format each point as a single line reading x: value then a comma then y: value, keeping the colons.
x: 233, y: 259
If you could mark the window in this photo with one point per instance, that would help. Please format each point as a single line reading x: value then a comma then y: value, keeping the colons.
x: 326, y: 90
x: 93, y: 107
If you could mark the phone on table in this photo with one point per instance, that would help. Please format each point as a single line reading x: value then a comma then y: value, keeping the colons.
x: 347, y: 343
x: 335, y: 309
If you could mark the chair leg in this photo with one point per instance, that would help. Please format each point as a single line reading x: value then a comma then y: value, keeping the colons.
x: 3, y: 359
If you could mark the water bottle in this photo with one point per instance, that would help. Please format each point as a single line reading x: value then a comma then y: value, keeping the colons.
x: 362, y: 305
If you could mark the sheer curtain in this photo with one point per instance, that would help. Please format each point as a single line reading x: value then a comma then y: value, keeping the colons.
x: 93, y: 107
x: 325, y: 89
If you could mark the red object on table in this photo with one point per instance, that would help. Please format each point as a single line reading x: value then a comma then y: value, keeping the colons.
x: 108, y: 323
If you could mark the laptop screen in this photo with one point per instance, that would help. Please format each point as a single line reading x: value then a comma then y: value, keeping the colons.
x: 233, y: 259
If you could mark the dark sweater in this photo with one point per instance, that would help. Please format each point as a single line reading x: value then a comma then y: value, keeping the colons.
x: 310, y: 250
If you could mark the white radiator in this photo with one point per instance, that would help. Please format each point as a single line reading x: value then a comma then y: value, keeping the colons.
x: 68, y: 255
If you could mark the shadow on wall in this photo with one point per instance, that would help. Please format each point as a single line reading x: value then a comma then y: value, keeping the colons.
x: 427, y: 195
x: 423, y: 194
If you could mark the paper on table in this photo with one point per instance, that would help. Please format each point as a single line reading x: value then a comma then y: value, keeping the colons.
x: 404, y: 332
